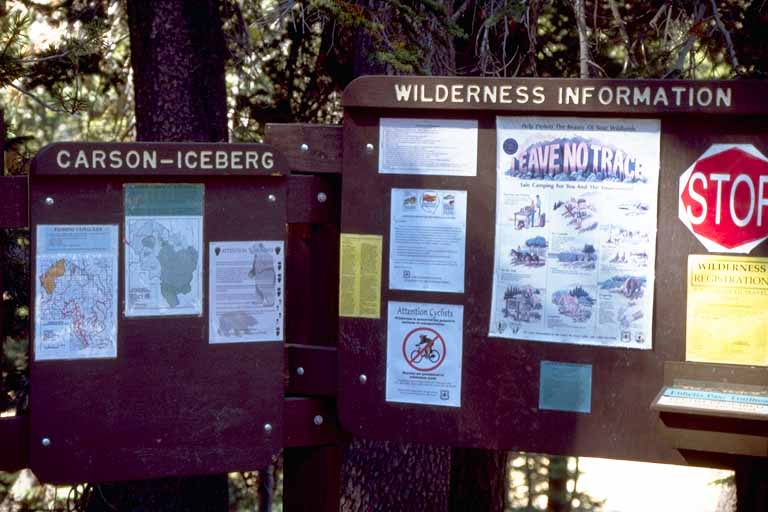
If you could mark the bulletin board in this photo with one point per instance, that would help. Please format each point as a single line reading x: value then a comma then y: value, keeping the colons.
x: 132, y: 384
x: 505, y: 390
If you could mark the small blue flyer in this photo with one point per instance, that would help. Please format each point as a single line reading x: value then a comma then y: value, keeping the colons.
x: 565, y: 387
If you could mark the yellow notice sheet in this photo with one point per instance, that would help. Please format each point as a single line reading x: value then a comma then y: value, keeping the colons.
x: 727, y: 310
x: 360, y: 276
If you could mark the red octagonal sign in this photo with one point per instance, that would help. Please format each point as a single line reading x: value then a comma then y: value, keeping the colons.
x: 723, y: 198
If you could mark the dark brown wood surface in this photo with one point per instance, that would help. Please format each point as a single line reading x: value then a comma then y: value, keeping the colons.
x: 500, y: 378
x: 170, y: 404
x: 746, y: 96
x: 312, y: 455
x: 310, y: 148
x: 158, y: 158
x: 311, y: 370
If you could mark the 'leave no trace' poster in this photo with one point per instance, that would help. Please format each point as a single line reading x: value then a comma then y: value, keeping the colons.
x: 575, y: 230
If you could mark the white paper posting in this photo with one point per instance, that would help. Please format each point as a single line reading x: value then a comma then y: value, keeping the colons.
x: 245, y: 291
x: 424, y: 351
x: 427, y: 238
x: 445, y: 147
x: 76, y: 292
x: 575, y: 230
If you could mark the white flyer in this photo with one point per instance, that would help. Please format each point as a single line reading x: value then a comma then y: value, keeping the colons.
x: 446, y: 147
x: 245, y: 291
x: 424, y: 351
x: 76, y: 292
x: 575, y: 243
x: 163, y: 249
x: 427, y: 239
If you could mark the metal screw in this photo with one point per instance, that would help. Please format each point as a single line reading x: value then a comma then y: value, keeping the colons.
x: 271, y: 198
x: 304, y: 148
x: 369, y: 148
x: 322, y: 197
x: 45, y: 442
x: 363, y: 378
x: 318, y: 420
x: 49, y: 201
x: 300, y: 370
x: 267, y: 428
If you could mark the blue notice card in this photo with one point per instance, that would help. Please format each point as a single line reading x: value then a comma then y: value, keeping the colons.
x: 565, y: 387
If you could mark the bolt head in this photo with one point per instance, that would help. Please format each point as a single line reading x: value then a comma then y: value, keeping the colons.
x: 45, y: 442
x: 304, y: 148
x: 300, y: 370
x: 267, y: 428
x: 369, y: 148
x: 322, y: 197
x: 363, y: 378
x: 272, y: 198
x: 49, y: 201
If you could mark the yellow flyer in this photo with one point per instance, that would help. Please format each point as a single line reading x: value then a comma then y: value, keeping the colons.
x: 360, y: 276
x: 727, y: 310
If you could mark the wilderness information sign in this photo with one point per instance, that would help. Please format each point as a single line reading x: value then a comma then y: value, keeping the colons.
x: 575, y: 230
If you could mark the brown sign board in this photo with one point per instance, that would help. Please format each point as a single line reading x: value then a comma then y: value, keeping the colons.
x: 500, y: 378
x: 169, y: 403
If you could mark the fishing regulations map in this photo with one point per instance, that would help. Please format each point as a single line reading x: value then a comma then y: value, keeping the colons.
x: 575, y: 230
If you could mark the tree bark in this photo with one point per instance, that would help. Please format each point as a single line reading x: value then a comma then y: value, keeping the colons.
x: 557, y: 492
x: 386, y: 476
x: 178, y: 54
x: 478, y: 480
x: 581, y: 26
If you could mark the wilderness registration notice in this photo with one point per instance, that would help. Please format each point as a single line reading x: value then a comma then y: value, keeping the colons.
x: 727, y: 303
x: 575, y: 230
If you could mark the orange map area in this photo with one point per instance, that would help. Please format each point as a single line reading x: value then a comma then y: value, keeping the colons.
x: 48, y: 279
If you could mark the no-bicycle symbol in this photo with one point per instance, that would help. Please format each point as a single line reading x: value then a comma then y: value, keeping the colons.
x: 424, y: 349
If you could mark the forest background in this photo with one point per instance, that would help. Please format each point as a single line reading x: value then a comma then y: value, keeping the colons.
x: 76, y: 70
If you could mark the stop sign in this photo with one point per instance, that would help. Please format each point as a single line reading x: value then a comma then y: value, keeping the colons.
x: 723, y: 198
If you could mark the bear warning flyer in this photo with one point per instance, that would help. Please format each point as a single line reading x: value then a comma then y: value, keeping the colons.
x: 575, y: 230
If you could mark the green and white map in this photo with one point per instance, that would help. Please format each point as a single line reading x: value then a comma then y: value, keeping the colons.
x: 76, y: 292
x: 163, y: 250
x: 163, y: 260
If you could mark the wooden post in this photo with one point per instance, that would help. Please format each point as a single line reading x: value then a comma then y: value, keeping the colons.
x: 312, y: 466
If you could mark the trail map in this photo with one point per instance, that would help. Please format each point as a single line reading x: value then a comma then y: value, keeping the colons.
x: 163, y: 255
x: 76, y: 292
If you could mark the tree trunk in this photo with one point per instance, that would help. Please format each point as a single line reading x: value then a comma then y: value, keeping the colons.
x: 581, y: 26
x: 478, y: 480
x: 178, y: 54
x: 386, y: 476
x: 557, y: 492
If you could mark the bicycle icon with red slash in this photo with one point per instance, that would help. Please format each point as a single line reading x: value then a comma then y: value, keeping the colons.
x: 424, y: 349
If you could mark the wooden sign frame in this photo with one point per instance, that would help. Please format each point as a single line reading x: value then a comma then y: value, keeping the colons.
x: 170, y: 403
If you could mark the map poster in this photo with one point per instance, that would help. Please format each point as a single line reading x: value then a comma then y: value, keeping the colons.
x: 164, y: 249
x: 727, y: 320
x: 427, y: 239
x: 245, y: 291
x: 575, y: 230
x: 424, y: 351
x: 445, y: 147
x: 76, y: 292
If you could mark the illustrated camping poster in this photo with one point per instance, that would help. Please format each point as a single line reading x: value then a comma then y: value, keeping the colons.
x: 575, y: 230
